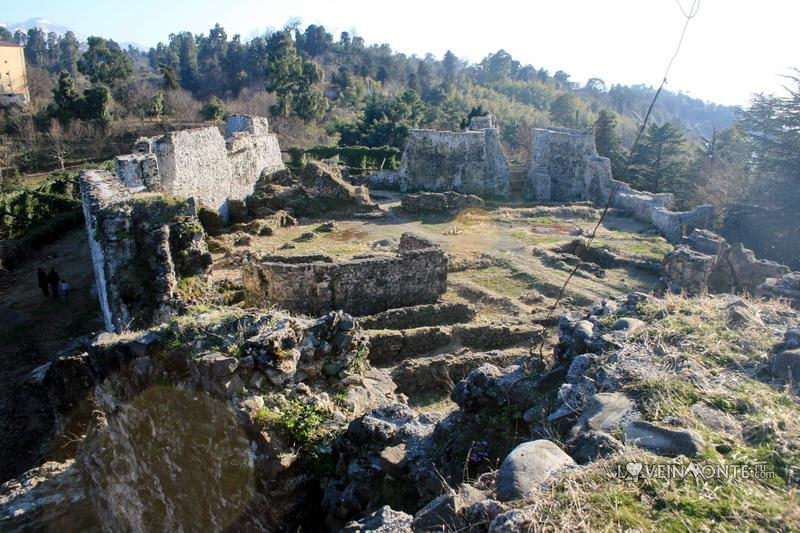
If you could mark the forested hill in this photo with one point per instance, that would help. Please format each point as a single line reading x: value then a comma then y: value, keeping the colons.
x: 325, y: 80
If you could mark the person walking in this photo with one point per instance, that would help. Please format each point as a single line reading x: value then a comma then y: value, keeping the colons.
x: 53, y: 278
x: 42, y: 275
x: 63, y: 289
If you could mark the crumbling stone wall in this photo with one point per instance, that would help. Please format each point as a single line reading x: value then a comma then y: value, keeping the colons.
x: 362, y: 286
x: 141, y: 245
x: 470, y: 162
x: 706, y: 262
x: 201, y: 164
x: 565, y: 167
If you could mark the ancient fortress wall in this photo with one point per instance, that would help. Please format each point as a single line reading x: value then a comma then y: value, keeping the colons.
x: 141, y: 244
x: 470, y: 162
x: 314, y: 285
x: 202, y: 164
x: 565, y: 167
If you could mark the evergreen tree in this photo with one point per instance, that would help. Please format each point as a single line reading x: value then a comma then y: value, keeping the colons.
x: 6, y: 35
x: 66, y: 101
x: 608, y: 143
x: 170, y: 77
x: 658, y: 163
x: 36, y: 48
x: 68, y: 53
x: 308, y: 102
x: 213, y: 109
x: 563, y: 110
x: 284, y: 69
x: 104, y: 61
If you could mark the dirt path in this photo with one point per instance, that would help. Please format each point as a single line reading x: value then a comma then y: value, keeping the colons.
x: 32, y: 330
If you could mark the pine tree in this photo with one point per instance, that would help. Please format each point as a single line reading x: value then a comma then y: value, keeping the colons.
x: 608, y: 143
x: 284, y: 69
x: 104, y: 61
x: 658, y: 163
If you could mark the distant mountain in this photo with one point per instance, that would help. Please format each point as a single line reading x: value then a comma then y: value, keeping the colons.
x: 44, y: 24
x: 49, y: 26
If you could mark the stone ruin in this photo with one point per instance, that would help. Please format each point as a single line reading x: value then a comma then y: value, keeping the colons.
x: 707, y: 263
x: 202, y: 164
x: 470, y: 162
x: 314, y: 284
x: 439, y: 202
x: 564, y: 167
x: 142, y: 244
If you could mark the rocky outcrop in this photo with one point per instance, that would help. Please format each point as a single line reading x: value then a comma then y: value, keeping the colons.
x: 706, y: 262
x: 416, y: 275
x: 142, y: 245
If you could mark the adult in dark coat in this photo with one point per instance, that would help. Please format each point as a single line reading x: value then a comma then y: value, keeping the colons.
x: 42, y: 275
x: 53, y: 278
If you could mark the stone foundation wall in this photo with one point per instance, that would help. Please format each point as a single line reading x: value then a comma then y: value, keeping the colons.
x: 470, y: 162
x: 363, y: 286
x: 141, y: 244
x: 565, y: 167
x: 202, y: 164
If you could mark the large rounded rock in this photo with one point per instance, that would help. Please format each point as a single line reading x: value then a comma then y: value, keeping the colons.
x: 527, y: 467
x: 786, y: 365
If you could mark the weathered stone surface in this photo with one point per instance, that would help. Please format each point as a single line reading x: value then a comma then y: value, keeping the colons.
x: 786, y: 286
x: 141, y: 245
x: 201, y: 164
x: 47, y: 498
x: 663, y: 441
x: 470, y: 162
x: 716, y: 419
x: 607, y: 411
x: 731, y: 268
x: 786, y: 365
x: 628, y: 324
x: 439, y: 373
x: 416, y: 316
x: 384, y: 520
x: 527, y: 467
x: 359, y: 286
x: 445, y: 513
x: 439, y: 202
x: 324, y: 182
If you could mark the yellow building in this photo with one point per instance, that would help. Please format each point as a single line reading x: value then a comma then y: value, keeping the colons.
x: 13, y: 79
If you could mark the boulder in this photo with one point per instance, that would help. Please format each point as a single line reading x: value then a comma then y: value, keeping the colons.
x: 384, y: 520
x: 527, y: 467
x: 663, y: 441
x: 716, y: 419
x: 786, y: 365
x: 628, y: 324
x: 605, y: 412
x: 445, y: 513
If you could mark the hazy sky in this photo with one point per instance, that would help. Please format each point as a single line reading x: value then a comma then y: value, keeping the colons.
x: 732, y: 49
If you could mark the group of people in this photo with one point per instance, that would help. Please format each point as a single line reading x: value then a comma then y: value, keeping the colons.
x: 52, y: 284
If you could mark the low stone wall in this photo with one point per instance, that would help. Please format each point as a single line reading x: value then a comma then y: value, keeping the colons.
x: 439, y: 201
x: 201, y: 164
x: 416, y: 275
x: 470, y: 162
x: 565, y: 167
x: 141, y: 244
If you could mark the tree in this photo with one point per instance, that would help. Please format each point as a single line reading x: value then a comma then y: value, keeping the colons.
x: 213, y: 109
x: 450, y: 65
x: 65, y: 105
x: 157, y: 105
x: 170, y: 77
x: 658, y: 163
x: 308, y: 102
x: 608, y: 143
x: 36, y: 48
x: 94, y: 105
x: 315, y: 41
x: 385, y: 121
x: 596, y: 86
x: 6, y: 35
x: 68, y: 53
x: 104, y: 61
x: 563, y: 110
x: 496, y: 67
x: 284, y: 68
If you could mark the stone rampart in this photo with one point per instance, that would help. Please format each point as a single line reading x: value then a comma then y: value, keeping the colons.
x: 141, y: 245
x: 470, y: 162
x: 565, y: 167
x: 202, y: 164
x: 362, y: 286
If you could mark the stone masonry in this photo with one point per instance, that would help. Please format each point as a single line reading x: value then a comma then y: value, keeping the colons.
x: 565, y: 167
x: 202, y: 164
x: 470, y: 162
x: 314, y: 285
x: 141, y: 245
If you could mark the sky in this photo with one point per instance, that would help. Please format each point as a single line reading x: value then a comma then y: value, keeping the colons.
x: 732, y: 48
